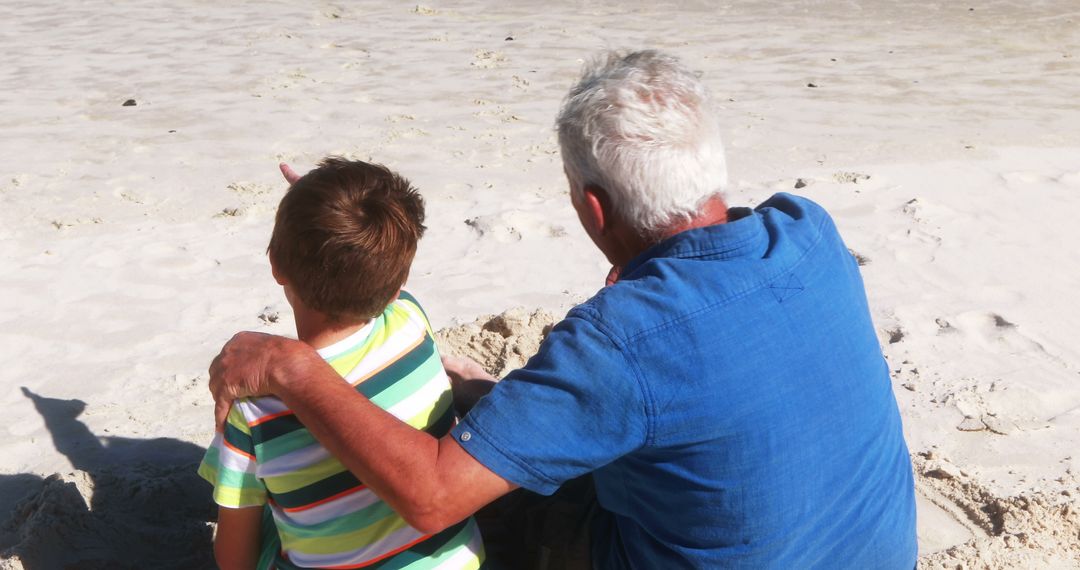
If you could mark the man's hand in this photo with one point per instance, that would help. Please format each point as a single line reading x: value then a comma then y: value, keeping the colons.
x: 290, y: 175
x: 244, y: 367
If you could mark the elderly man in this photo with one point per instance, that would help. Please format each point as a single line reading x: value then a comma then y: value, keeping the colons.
x: 726, y: 391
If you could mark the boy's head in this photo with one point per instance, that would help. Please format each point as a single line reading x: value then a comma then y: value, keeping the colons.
x: 345, y: 236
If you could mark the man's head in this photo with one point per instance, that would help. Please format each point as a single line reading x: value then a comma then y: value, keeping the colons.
x: 344, y: 238
x: 639, y: 126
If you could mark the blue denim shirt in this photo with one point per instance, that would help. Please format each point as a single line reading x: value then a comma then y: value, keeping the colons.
x: 730, y: 398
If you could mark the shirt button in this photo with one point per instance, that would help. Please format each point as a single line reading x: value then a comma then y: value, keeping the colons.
x: 466, y: 436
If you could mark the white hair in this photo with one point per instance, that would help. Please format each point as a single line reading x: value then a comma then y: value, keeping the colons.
x: 639, y: 125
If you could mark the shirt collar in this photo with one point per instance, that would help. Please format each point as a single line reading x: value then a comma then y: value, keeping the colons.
x: 743, y: 235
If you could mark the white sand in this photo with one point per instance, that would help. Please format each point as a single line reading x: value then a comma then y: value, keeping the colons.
x: 944, y: 137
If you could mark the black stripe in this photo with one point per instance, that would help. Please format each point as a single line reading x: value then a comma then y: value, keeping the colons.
x: 238, y: 439
x: 276, y: 427
x: 317, y: 491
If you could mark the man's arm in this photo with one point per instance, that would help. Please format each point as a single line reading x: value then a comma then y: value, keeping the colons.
x: 237, y: 542
x: 432, y: 483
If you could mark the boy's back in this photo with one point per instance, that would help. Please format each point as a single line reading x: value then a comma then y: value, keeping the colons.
x: 344, y: 238
x: 323, y: 515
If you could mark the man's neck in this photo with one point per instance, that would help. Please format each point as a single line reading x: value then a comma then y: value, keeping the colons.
x: 712, y: 212
x: 630, y: 244
x: 317, y: 331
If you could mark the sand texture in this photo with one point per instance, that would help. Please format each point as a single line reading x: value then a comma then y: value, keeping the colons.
x: 139, y: 182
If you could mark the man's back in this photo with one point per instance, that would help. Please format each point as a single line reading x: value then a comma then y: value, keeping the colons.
x: 729, y: 395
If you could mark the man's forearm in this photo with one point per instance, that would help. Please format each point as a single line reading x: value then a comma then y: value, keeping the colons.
x: 399, y: 463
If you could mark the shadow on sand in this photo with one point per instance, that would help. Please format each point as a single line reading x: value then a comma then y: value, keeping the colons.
x: 130, y: 503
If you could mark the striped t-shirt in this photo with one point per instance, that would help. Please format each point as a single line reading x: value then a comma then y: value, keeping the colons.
x: 324, y: 516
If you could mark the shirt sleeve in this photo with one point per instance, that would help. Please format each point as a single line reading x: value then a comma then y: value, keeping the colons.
x: 575, y: 406
x: 229, y: 465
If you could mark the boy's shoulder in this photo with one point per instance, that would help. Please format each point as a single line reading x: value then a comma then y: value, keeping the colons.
x: 406, y: 305
x: 408, y: 300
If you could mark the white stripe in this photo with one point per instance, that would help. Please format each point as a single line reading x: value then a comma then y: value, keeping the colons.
x: 390, y: 543
x: 233, y: 461
x: 466, y: 554
x: 350, y: 503
x: 422, y: 398
x: 415, y: 314
x: 395, y: 345
x: 347, y: 343
x: 256, y: 408
x: 293, y: 461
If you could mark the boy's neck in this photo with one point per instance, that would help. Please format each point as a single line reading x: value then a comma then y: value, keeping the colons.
x: 319, y: 332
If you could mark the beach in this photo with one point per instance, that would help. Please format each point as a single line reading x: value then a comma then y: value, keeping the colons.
x: 139, y: 184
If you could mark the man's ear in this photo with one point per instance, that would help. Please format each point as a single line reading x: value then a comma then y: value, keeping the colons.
x: 597, y: 208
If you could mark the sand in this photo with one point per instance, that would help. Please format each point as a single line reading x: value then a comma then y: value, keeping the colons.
x: 139, y: 183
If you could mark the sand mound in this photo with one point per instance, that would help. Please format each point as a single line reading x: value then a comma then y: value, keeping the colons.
x: 1030, y: 530
x: 138, y: 516
x: 500, y: 343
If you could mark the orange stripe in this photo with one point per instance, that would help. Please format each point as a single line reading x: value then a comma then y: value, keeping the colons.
x: 384, y: 556
x: 269, y: 417
x: 326, y: 500
x: 241, y: 452
x: 392, y: 360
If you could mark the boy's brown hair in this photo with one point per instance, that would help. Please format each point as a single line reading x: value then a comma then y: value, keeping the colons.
x: 345, y: 236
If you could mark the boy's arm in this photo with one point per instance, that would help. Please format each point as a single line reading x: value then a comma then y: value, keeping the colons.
x: 237, y: 542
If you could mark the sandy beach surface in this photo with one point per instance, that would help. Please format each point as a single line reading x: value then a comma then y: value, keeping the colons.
x: 138, y: 184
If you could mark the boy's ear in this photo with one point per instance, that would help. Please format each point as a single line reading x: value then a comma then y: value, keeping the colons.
x: 277, y: 276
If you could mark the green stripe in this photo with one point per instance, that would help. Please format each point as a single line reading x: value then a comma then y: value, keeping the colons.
x: 345, y: 541
x: 365, y: 517
x: 211, y: 462
x: 269, y: 450
x: 404, y: 377
x: 237, y: 479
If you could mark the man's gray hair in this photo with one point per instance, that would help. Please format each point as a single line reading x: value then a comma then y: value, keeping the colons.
x: 640, y: 126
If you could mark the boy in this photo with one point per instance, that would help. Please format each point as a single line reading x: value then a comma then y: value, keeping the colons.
x: 343, y: 240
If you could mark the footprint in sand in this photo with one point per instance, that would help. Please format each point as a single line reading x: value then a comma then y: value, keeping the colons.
x: 993, y: 329
x: 160, y: 257
x: 514, y: 225
x: 1070, y: 179
x: 1018, y: 178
